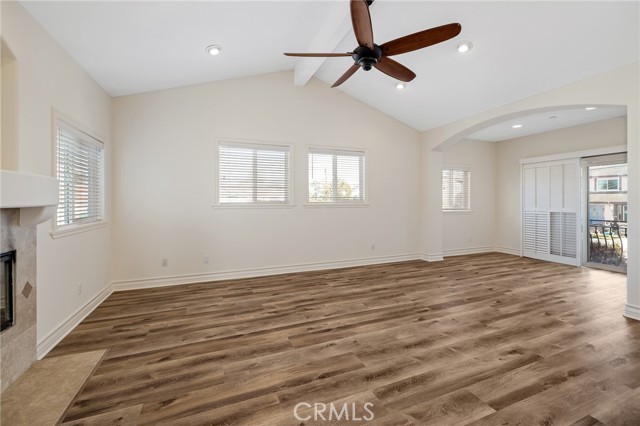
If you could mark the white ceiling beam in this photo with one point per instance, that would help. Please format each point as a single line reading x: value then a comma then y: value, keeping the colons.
x: 335, y: 27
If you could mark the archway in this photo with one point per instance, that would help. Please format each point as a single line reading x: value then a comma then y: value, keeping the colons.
x: 617, y: 88
x: 472, y: 129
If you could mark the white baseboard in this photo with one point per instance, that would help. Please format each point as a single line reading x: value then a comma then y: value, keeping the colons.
x: 431, y: 257
x: 476, y: 250
x: 61, y: 331
x: 255, y: 272
x: 507, y: 250
x: 632, y: 312
x: 469, y: 250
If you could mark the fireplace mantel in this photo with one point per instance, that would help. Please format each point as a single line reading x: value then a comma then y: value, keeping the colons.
x: 35, y: 195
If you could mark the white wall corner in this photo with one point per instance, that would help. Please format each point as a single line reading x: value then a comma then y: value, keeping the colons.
x: 631, y: 311
x: 67, y: 326
x: 431, y: 208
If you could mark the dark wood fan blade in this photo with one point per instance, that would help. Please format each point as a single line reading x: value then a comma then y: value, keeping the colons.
x: 395, y: 69
x: 361, y: 20
x: 319, y: 55
x: 346, y: 75
x: 421, y: 39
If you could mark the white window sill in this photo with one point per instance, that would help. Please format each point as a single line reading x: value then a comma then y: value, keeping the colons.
x: 77, y: 229
x: 338, y: 205
x: 457, y: 211
x: 253, y: 206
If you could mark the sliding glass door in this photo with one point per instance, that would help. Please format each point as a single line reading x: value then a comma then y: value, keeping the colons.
x: 605, y: 184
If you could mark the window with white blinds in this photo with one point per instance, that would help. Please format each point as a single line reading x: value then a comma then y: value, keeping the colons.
x: 252, y: 173
x: 80, y: 173
x: 336, y: 176
x: 456, y: 189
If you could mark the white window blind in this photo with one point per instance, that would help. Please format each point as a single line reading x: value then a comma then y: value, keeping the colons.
x: 336, y: 176
x: 252, y: 173
x: 456, y: 189
x: 80, y: 173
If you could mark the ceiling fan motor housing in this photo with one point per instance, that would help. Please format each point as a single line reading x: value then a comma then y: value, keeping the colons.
x: 366, y: 57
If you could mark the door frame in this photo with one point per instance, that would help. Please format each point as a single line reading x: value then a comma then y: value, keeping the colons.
x: 585, y: 163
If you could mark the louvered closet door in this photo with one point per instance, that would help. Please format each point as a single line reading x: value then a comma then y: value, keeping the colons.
x: 550, y: 211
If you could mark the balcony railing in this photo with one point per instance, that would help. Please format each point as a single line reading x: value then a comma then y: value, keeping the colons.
x: 608, y: 242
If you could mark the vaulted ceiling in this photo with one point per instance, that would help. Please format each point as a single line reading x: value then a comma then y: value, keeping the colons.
x: 519, y: 48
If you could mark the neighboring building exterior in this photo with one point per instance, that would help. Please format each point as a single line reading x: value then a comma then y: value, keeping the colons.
x: 608, y: 187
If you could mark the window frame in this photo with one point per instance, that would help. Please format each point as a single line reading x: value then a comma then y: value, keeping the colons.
x: 335, y: 151
x: 89, y: 137
x: 465, y: 169
x: 608, y: 178
x: 290, y: 203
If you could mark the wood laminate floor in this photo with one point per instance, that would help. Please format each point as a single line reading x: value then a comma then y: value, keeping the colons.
x: 475, y: 340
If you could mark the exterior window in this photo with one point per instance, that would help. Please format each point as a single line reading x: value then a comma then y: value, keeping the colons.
x: 336, y: 176
x: 80, y: 173
x: 620, y: 212
x: 608, y: 184
x: 456, y: 187
x: 251, y: 173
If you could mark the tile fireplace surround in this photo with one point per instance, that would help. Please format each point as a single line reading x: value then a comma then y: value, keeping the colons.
x: 25, y: 201
x: 18, y: 343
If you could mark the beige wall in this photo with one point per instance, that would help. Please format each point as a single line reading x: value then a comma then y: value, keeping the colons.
x: 164, y: 170
x: 9, y: 109
x: 48, y: 77
x: 472, y: 232
x: 509, y: 153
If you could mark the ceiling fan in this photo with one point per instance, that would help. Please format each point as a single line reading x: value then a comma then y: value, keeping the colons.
x: 368, y: 54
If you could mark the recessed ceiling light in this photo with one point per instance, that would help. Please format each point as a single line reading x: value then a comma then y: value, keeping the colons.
x: 516, y: 126
x: 214, y: 49
x: 591, y: 108
x: 465, y: 46
x: 401, y: 86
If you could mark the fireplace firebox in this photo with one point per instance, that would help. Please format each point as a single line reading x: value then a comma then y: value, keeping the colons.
x: 7, y: 293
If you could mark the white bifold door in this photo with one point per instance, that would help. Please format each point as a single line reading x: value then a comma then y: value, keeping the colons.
x: 550, y: 211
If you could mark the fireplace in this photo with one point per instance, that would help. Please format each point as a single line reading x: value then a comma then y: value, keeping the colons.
x: 7, y: 293
x: 25, y: 201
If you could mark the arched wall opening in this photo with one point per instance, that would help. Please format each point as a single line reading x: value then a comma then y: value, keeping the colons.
x: 451, y: 141
x: 493, y: 156
x: 619, y: 87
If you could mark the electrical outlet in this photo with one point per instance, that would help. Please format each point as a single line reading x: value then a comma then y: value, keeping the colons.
x: 205, y: 259
x: 79, y: 289
x: 165, y: 263
x: 373, y: 246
